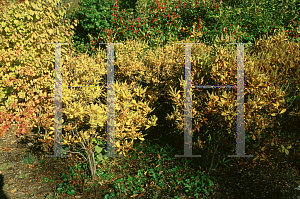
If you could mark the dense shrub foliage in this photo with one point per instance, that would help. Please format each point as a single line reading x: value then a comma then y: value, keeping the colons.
x: 176, y: 21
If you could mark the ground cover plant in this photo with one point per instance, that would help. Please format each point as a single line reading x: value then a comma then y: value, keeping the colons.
x: 152, y: 171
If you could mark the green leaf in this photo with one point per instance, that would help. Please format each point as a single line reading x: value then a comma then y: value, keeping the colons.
x: 98, y: 149
x: 72, y: 192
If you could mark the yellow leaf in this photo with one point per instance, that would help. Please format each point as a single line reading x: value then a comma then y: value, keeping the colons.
x: 21, y: 95
x: 6, y: 29
x: 52, y: 14
x: 283, y: 110
x: 31, y: 12
x: 29, y: 17
x: 274, y: 114
x: 224, y: 114
x: 289, y: 147
x: 66, y: 142
x: 255, y: 158
x: 13, y: 191
x: 286, y: 151
x: 86, y: 136
x: 276, y: 105
x: 142, y: 139
x: 51, y: 128
x: 118, y: 144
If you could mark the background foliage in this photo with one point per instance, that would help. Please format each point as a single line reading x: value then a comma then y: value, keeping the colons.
x: 245, y: 19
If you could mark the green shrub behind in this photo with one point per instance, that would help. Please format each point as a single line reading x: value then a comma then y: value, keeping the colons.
x: 94, y: 17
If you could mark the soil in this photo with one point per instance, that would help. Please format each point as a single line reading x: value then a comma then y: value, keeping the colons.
x: 21, y: 173
x: 14, y: 168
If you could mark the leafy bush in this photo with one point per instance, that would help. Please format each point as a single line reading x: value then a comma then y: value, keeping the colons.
x: 246, y: 21
x: 27, y: 62
x: 94, y: 17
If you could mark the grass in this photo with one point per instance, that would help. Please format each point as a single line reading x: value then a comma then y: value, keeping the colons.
x: 150, y: 169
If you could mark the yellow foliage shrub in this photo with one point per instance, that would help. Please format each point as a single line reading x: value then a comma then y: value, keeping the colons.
x: 27, y: 62
x: 79, y: 102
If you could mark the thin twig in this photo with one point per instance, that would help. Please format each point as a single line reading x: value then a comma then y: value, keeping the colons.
x: 119, y: 189
x: 211, y: 164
